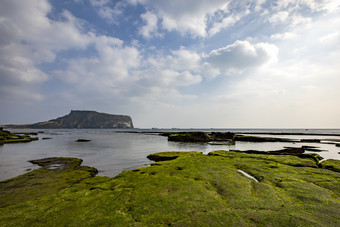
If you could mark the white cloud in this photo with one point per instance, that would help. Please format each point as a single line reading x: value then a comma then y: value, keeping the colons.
x: 29, y: 38
x: 184, y: 16
x: 283, y: 36
x: 104, y: 71
x: 329, y: 6
x: 331, y: 38
x: 150, y: 27
x: 279, y: 17
x: 109, y: 10
x: 242, y: 55
x: 200, y: 18
x: 226, y: 22
x: 107, y: 72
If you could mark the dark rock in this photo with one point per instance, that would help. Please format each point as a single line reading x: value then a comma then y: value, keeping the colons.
x: 158, y: 158
x: 259, y: 139
x: 291, y: 150
x: 198, y: 136
x: 310, y: 140
x: 307, y: 148
x: 166, y: 156
x: 337, y: 145
x: 82, y: 140
x: 189, y: 137
x: 221, y: 136
x: 63, y: 163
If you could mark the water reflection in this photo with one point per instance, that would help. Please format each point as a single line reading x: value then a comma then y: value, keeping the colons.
x: 112, y: 153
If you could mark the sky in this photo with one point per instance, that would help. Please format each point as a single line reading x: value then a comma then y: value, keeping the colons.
x: 173, y: 64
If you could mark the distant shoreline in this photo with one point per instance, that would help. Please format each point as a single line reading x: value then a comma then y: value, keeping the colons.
x: 255, y: 131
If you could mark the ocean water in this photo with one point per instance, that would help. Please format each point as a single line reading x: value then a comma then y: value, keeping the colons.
x: 113, y: 151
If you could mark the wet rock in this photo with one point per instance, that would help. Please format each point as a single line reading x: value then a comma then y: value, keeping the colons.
x: 189, y: 137
x: 260, y: 139
x: 310, y: 140
x: 308, y: 148
x: 8, y: 137
x: 166, y: 156
x: 82, y: 140
x: 288, y: 150
x: 221, y: 136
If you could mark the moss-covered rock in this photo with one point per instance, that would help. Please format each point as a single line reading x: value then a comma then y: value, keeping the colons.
x: 331, y: 164
x: 189, y: 137
x: 55, y: 175
x: 199, y: 136
x: 218, y: 136
x: 194, y: 190
x: 8, y: 137
x: 165, y: 156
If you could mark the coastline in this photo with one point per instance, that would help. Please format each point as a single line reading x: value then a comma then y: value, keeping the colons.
x: 112, y: 152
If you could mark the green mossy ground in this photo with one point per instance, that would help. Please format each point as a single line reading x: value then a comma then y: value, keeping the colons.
x: 56, y: 174
x: 193, y: 190
x: 8, y: 137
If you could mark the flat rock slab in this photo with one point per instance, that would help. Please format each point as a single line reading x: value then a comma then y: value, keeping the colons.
x: 54, y: 175
x: 193, y: 189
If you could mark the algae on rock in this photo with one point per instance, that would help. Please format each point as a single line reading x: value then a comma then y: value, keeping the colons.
x: 194, y: 190
x: 56, y: 174
x: 8, y: 137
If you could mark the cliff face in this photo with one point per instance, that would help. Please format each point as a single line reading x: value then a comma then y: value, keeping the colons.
x: 85, y: 119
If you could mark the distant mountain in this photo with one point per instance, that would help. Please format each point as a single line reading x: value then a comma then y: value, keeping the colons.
x: 83, y: 119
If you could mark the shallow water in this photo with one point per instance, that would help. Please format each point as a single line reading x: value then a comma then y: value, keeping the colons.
x: 112, y: 152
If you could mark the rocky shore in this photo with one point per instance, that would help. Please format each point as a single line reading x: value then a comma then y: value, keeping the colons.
x: 8, y: 137
x: 179, y: 189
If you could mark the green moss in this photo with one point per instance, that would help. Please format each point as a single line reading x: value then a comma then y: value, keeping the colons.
x: 193, y: 190
x: 164, y: 156
x: 331, y: 164
x: 8, y: 137
x: 56, y: 174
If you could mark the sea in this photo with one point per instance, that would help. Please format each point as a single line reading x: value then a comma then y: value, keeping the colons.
x: 112, y: 151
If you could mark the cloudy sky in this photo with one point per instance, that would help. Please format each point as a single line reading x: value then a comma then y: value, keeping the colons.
x: 179, y: 63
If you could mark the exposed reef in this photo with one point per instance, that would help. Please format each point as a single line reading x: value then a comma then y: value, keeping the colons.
x: 8, y: 137
x: 83, y: 119
x: 199, y: 136
x: 180, y: 189
x: 228, y: 137
x: 260, y: 139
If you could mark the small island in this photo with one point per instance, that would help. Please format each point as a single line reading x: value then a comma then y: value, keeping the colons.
x: 82, y: 119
